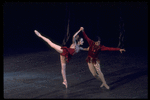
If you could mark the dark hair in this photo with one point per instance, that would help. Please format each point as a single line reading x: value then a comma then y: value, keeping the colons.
x: 97, y: 38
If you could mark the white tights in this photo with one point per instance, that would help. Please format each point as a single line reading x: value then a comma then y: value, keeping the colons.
x: 97, y: 73
x: 55, y: 46
x: 63, y: 69
x: 62, y: 58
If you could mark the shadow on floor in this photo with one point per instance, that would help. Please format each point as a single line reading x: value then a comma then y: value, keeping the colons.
x: 127, y: 78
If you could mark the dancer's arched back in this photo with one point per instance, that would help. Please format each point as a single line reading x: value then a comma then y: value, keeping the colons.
x: 65, y: 53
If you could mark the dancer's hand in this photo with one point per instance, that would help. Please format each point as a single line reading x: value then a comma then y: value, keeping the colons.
x: 122, y: 50
x: 86, y: 49
x: 81, y: 28
x: 37, y: 33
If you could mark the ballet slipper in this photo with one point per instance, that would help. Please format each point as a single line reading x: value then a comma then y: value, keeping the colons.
x: 37, y: 33
x: 65, y: 83
x: 106, y: 86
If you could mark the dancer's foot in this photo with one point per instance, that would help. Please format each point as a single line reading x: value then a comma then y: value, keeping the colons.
x: 102, y: 85
x: 106, y: 86
x: 37, y: 33
x: 65, y: 83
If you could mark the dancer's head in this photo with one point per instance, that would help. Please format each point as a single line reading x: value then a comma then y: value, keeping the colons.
x: 97, y: 40
x: 79, y: 40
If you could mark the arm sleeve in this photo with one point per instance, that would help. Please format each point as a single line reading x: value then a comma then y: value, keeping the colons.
x: 104, y: 48
x: 87, y: 38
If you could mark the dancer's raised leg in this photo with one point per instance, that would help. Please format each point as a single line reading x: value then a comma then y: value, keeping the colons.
x: 56, y: 47
x: 63, y: 70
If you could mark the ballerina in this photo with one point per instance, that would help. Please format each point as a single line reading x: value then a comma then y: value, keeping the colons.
x: 65, y: 53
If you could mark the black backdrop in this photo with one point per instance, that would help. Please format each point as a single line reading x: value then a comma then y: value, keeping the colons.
x: 20, y: 19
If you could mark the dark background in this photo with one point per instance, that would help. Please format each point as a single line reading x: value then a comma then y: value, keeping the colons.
x: 20, y: 19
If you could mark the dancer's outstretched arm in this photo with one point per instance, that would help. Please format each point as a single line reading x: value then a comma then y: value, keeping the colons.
x: 56, y: 47
x: 86, y: 49
x: 76, y: 33
x: 85, y: 36
x: 104, y: 48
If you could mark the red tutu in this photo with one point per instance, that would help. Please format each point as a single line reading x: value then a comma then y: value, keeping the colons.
x: 67, y: 52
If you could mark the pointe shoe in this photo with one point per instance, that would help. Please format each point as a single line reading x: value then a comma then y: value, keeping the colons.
x: 37, y: 33
x: 106, y: 86
x: 65, y: 83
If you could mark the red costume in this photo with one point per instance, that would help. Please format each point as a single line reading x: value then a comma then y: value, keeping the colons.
x: 94, y: 50
x: 67, y: 52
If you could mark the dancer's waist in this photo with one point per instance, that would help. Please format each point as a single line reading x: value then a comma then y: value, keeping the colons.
x: 93, y: 60
x: 92, y: 57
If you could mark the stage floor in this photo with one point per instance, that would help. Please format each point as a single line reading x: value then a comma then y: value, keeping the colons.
x: 38, y: 75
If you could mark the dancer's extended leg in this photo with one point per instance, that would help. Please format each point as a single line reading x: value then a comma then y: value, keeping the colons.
x: 56, y: 47
x: 63, y: 70
x: 100, y: 75
x: 93, y: 70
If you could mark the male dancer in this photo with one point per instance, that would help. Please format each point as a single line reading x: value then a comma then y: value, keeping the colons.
x: 92, y: 59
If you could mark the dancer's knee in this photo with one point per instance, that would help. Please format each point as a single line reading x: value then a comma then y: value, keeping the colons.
x: 63, y: 65
x: 100, y: 73
x: 56, y: 47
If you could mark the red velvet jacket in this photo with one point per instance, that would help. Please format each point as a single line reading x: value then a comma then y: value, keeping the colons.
x: 94, y: 50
